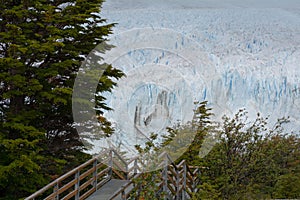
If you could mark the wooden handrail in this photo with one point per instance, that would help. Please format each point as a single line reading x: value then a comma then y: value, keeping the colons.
x: 177, y: 179
x: 60, y: 179
x: 73, y: 182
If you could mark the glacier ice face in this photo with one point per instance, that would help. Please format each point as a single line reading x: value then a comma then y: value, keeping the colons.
x: 250, y: 57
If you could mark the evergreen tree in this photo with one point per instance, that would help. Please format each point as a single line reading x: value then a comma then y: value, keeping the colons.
x: 42, y: 45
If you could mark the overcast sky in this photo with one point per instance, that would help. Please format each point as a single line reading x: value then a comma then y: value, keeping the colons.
x: 198, y: 4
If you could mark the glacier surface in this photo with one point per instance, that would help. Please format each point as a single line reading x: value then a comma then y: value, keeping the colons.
x: 249, y: 52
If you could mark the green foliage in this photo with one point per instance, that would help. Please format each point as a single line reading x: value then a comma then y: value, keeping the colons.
x: 188, y: 138
x: 42, y: 45
x: 181, y: 138
x: 287, y: 186
x: 250, y: 160
x: 147, y: 187
x: 207, y: 191
x: 148, y: 182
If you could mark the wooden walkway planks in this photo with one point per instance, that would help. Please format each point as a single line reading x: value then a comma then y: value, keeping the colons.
x: 108, y: 189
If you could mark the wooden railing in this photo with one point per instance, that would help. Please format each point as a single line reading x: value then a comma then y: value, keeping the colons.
x: 79, y: 183
x: 178, y: 181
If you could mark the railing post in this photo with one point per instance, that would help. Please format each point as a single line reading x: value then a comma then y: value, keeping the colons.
x: 198, y: 178
x: 110, y: 164
x: 134, y: 171
x: 55, y: 190
x: 126, y: 171
x: 184, y: 181
x: 95, y: 174
x: 135, y: 168
x: 193, y: 185
x: 165, y: 178
x: 177, y: 183
x: 123, y: 196
x: 77, y: 185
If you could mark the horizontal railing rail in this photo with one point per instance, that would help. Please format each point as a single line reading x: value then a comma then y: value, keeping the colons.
x: 177, y: 180
x: 78, y: 183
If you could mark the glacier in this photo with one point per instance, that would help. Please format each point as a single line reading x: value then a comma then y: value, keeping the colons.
x: 250, y: 58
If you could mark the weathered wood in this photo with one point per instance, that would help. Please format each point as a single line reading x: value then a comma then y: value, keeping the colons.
x: 177, y: 184
x: 190, y: 178
x: 87, y: 194
x: 172, y: 172
x: 170, y: 187
x: 171, y: 180
x: 86, y: 184
x: 118, y: 174
x: 179, y: 180
x: 59, y: 180
x: 101, y: 183
x: 108, y: 190
x: 183, y: 197
x: 165, y: 178
x: 102, y: 173
x: 95, y: 173
x: 121, y: 191
x: 67, y: 186
x: 77, y: 185
x: 181, y: 164
x: 51, y: 196
x: 87, y: 173
x: 70, y: 195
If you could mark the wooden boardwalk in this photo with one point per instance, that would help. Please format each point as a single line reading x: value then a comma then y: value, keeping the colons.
x: 110, y: 176
x: 109, y: 189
